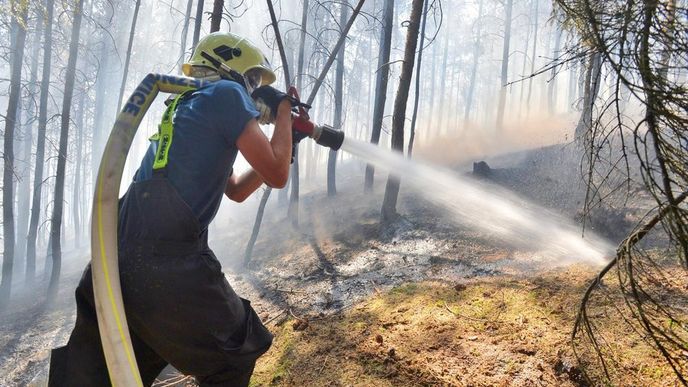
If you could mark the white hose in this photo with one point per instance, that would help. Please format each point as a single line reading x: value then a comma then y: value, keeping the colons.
x: 112, y: 322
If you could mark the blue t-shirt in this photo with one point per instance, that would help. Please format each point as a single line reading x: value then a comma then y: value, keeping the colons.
x: 206, y: 126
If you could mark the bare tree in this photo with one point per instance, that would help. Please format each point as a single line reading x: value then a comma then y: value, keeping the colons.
x: 19, y: 11
x: 56, y: 223
x: 127, y: 57
x: 508, y: 8
x: 389, y: 203
x: 24, y: 189
x: 197, y: 23
x: 380, y: 85
x: 40, y: 144
x: 643, y: 45
x: 216, y: 15
x: 338, y: 105
x: 185, y: 33
x: 474, y: 67
x: 293, y: 211
x: 418, y: 77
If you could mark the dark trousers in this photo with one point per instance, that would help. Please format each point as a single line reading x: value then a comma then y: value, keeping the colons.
x: 180, y: 308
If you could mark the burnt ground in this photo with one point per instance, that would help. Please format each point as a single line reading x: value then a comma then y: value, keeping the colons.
x: 422, y: 301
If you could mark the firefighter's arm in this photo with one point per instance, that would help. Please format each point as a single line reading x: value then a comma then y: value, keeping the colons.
x: 269, y: 159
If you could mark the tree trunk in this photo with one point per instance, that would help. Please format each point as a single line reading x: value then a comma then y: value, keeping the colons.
x: 266, y: 194
x: 338, y: 106
x: 591, y: 87
x: 380, y: 85
x: 293, y: 211
x: 132, y: 31
x: 216, y: 16
x: 197, y: 23
x: 526, y: 44
x: 56, y: 223
x: 532, y: 63
x: 418, y: 77
x: 552, y: 88
x: 40, y: 146
x: 441, y: 108
x: 185, y: 33
x: 98, y: 121
x: 19, y: 10
x: 389, y: 204
x: 76, y: 200
x: 431, y: 104
x: 24, y: 189
x: 505, y: 64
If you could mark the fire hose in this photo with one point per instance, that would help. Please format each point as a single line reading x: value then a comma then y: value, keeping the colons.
x: 112, y: 323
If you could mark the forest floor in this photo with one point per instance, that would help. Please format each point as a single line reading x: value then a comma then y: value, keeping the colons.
x: 423, y: 301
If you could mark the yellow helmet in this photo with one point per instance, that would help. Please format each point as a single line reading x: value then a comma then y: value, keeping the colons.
x: 236, y: 52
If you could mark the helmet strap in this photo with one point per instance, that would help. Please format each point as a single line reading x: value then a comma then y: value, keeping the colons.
x: 225, y: 71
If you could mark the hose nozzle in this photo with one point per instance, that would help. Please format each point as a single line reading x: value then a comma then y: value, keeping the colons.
x: 328, y: 136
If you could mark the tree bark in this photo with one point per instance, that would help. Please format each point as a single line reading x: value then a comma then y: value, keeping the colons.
x: 338, y: 106
x: 185, y: 34
x: 19, y: 10
x: 132, y: 32
x: 268, y: 190
x: 418, y: 77
x: 76, y: 199
x: 56, y: 223
x: 532, y: 63
x: 389, y: 203
x: 552, y: 87
x: 505, y: 63
x: 216, y: 15
x: 197, y: 23
x: 293, y: 210
x: 380, y: 85
x: 40, y: 146
x: 441, y: 105
x: 591, y: 88
x: 24, y: 189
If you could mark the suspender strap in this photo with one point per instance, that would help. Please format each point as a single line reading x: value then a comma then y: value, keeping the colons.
x: 165, y: 134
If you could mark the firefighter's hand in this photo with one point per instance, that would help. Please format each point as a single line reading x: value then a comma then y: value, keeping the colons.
x: 267, y: 100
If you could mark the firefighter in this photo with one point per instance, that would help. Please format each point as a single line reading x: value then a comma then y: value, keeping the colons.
x: 180, y: 308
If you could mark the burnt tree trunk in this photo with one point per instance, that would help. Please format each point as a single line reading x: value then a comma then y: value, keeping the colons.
x: 552, y: 88
x: 132, y: 31
x: 197, y: 23
x: 532, y: 63
x: 76, y: 199
x: 389, y: 204
x: 591, y: 88
x: 505, y: 63
x: 216, y: 15
x: 293, y: 210
x: 474, y: 66
x: 380, y: 85
x: 58, y: 204
x: 24, y: 189
x: 40, y: 145
x: 185, y: 34
x: 338, y: 106
x: 19, y: 11
x: 418, y: 77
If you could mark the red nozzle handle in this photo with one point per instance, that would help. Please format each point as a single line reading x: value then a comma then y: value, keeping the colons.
x: 302, y: 121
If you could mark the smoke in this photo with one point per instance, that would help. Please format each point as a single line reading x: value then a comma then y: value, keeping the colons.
x: 476, y: 141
